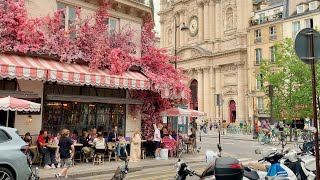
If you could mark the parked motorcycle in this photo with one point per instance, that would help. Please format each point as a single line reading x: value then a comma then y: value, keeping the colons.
x: 277, y: 170
x: 221, y: 168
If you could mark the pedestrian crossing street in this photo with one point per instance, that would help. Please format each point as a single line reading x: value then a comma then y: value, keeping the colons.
x: 160, y: 173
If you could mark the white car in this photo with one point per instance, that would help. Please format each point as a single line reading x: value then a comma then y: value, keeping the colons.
x: 14, y: 163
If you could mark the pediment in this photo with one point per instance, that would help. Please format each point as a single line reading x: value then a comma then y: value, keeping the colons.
x: 192, y: 52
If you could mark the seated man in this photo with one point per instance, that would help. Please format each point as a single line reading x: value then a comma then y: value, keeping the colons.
x: 122, y: 144
x: 113, y: 136
x: 49, y: 155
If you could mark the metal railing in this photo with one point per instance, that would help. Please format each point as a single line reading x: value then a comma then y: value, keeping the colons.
x: 144, y: 2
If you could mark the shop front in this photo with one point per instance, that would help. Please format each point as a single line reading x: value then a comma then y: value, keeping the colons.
x: 72, y: 95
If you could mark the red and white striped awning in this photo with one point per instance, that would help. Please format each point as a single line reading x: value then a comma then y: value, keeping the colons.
x: 167, y: 93
x: 25, y: 67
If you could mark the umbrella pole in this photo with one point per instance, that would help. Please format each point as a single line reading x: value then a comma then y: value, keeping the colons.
x: 7, y: 122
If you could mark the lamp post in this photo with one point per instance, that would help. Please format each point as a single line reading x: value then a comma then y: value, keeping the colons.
x: 252, y: 94
x: 182, y: 27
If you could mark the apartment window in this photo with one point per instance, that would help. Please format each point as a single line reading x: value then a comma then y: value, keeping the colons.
x: 312, y: 6
x: 273, y: 32
x: 300, y: 9
x: 296, y: 28
x: 257, y: 35
x: 309, y: 23
x: 260, y: 103
x: 258, y: 81
x: 272, y: 54
x: 262, y: 18
x: 69, y: 16
x: 258, y: 56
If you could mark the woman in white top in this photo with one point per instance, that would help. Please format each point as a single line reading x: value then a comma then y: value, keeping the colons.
x: 99, y: 143
x: 157, y: 139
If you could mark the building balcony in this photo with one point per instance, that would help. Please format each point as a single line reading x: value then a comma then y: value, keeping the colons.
x: 144, y: 2
x: 273, y: 37
x: 257, y: 40
x: 254, y: 22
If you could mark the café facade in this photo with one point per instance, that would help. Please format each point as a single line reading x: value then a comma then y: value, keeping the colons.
x: 71, y: 95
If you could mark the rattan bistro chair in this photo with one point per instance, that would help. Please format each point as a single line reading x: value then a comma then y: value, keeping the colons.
x: 112, y: 149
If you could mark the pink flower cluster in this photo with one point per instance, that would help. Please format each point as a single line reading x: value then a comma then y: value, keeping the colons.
x: 90, y: 40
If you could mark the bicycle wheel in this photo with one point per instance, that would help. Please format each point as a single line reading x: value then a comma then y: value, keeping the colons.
x: 275, y: 140
x: 261, y: 139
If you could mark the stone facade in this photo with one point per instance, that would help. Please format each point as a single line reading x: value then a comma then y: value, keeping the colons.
x: 213, y: 51
x: 124, y: 12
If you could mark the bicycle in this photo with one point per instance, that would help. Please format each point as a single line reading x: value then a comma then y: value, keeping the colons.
x: 271, y: 137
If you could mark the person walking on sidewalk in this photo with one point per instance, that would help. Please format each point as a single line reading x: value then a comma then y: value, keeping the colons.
x: 224, y: 127
x: 211, y: 125
x: 65, y: 144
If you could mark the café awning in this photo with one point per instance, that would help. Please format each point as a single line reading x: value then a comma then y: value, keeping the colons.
x: 35, y: 68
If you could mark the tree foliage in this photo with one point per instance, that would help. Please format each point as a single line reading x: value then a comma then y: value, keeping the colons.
x: 291, y: 79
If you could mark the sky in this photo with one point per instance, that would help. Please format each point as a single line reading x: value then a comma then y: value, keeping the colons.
x: 156, y: 17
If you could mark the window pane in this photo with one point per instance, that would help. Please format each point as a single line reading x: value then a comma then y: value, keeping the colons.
x: 112, y: 24
x: 72, y: 15
x: 4, y: 137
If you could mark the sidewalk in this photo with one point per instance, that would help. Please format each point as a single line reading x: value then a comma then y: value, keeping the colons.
x: 87, y: 169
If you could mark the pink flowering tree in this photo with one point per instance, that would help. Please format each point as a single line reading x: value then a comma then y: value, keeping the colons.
x: 90, y: 40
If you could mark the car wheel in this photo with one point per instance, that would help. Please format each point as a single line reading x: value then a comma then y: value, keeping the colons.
x: 5, y: 174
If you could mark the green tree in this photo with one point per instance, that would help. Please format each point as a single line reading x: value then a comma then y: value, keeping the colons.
x: 291, y: 79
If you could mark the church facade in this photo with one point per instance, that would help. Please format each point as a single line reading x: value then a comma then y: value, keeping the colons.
x: 212, y: 52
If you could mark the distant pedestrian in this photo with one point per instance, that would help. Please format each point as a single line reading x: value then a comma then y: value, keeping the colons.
x: 63, y: 152
x: 211, y: 125
x: 224, y: 127
x: 157, y: 139
x: 215, y: 125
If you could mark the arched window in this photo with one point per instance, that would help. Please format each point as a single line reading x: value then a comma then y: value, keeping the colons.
x: 229, y: 18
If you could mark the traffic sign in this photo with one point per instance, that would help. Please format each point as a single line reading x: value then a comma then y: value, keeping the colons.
x: 302, y: 45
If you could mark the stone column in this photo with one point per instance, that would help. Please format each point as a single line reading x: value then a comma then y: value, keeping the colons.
x: 175, y: 29
x: 206, y: 16
x: 206, y: 90
x: 212, y: 92
x: 241, y: 94
x: 218, y: 20
x: 200, y: 89
x: 162, y: 34
x: 181, y: 15
x: 200, y: 16
x: 218, y: 88
x: 212, y: 19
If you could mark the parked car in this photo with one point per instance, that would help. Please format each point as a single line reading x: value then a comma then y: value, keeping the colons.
x: 14, y: 164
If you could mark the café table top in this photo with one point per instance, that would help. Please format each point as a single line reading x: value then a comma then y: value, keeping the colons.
x: 32, y: 147
x: 78, y: 144
x: 53, y: 146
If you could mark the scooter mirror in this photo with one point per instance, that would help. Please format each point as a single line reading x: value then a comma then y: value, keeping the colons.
x: 219, y: 147
x: 257, y: 151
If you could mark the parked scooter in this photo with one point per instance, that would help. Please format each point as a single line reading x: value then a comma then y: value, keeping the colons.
x: 221, y: 168
x: 275, y: 171
x: 302, y: 163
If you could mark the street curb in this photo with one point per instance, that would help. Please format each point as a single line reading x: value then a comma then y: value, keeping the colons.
x: 133, y: 169
x: 235, y: 138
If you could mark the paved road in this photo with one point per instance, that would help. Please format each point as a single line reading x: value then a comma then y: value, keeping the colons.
x: 240, y: 149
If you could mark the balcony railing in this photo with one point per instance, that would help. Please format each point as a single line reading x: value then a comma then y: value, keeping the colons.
x: 275, y: 17
x: 257, y: 40
x: 144, y: 2
x: 273, y: 37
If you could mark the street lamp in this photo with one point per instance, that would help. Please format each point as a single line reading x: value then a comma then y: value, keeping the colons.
x: 252, y: 94
x: 182, y: 27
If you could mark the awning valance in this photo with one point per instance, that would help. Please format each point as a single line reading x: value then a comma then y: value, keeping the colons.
x: 34, y: 68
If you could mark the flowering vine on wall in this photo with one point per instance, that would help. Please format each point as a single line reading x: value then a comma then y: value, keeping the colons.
x: 90, y: 40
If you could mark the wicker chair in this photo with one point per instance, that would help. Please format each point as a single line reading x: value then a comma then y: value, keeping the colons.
x: 112, y: 149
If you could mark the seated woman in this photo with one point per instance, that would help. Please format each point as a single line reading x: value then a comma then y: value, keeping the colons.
x: 87, y: 148
x: 122, y: 144
x: 75, y: 136
x: 28, y: 139
x: 99, y: 144
x: 164, y: 133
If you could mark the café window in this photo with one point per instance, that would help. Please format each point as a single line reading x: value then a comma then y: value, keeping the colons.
x: 6, y: 84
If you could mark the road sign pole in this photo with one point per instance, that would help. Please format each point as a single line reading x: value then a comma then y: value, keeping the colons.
x: 314, y: 99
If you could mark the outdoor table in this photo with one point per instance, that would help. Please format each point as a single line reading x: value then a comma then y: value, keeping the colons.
x: 78, y: 144
x: 33, y: 150
x: 52, y: 146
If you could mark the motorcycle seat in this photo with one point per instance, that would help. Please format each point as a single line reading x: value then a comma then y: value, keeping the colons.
x: 251, y: 175
x: 258, y: 166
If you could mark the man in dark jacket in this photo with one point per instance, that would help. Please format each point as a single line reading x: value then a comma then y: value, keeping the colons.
x: 113, y: 136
